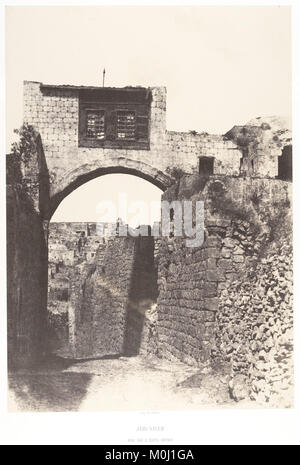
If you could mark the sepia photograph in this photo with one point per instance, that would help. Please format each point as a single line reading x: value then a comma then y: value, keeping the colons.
x: 149, y: 221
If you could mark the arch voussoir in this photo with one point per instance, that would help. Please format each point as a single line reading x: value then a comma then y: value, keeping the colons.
x: 74, y: 178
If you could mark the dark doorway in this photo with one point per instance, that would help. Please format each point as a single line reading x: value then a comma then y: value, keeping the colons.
x: 285, y: 169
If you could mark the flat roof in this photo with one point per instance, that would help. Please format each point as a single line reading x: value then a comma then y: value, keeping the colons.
x: 72, y: 87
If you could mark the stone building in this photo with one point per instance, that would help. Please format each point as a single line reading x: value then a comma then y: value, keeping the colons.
x: 87, y: 131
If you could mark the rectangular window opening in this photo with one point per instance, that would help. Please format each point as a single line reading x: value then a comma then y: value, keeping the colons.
x: 206, y: 165
x: 126, y: 123
x: 95, y: 127
x: 114, y: 119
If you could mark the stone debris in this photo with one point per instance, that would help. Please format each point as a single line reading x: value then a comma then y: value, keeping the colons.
x: 254, y: 327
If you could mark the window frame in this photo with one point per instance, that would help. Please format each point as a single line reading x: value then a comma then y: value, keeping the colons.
x: 142, y: 113
x: 119, y: 110
x: 86, y: 122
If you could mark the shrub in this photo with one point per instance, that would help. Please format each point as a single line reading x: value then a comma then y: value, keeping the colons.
x: 175, y: 173
x: 23, y: 149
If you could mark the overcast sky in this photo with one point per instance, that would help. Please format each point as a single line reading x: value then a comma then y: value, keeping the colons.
x: 221, y: 65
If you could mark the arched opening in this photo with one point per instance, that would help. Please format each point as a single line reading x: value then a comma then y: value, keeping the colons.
x: 85, y: 173
x: 102, y: 280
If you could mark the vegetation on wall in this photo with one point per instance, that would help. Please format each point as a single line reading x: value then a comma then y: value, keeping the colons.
x: 264, y: 217
x: 221, y: 202
x: 26, y: 146
x: 175, y: 173
x: 21, y: 152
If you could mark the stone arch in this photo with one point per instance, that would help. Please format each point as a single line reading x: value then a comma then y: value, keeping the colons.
x: 141, y: 278
x: 88, y: 171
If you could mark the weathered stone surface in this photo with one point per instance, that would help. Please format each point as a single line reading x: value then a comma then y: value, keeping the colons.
x: 238, y: 258
x: 211, y: 304
x: 243, y: 290
x: 26, y: 281
x: 239, y: 387
x: 100, y: 297
x: 225, y: 264
x: 248, y: 334
x: 229, y: 242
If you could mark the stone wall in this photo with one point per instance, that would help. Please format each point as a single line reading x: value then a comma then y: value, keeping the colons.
x: 254, y: 323
x: 26, y: 237
x: 26, y: 280
x: 138, y: 337
x: 112, y: 302
x: 210, y: 297
x: 187, y: 300
x: 69, y: 244
x: 188, y: 147
x: 58, y: 326
x: 261, y: 141
x: 99, y: 300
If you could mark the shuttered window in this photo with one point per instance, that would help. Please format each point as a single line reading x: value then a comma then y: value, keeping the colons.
x: 126, y: 123
x: 114, y: 118
x: 95, y: 124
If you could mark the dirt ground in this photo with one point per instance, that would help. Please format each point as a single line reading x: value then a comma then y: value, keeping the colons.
x: 119, y: 383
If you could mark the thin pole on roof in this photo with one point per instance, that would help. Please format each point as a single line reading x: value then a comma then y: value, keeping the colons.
x: 103, y: 77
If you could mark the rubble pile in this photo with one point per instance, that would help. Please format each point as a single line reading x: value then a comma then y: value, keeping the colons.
x: 254, y: 327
